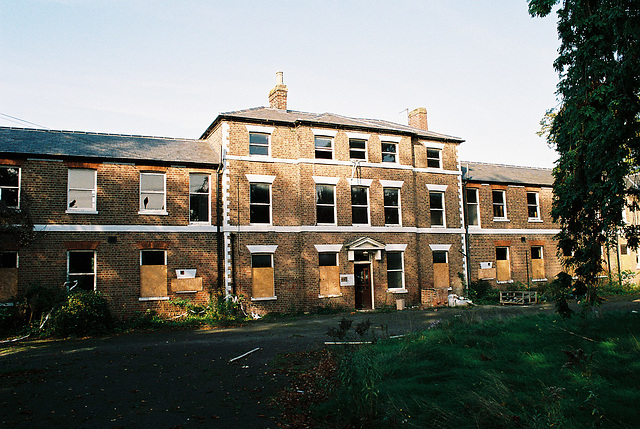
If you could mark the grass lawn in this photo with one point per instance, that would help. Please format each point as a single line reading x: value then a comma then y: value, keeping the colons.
x: 531, y: 371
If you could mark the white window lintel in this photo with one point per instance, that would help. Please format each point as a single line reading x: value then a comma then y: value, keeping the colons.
x: 395, y: 247
x: 262, y: 248
x: 360, y: 182
x: 259, y: 129
x: 260, y: 178
x: 437, y: 188
x: 328, y: 247
x: 353, y: 135
x: 390, y: 139
x: 325, y: 133
x: 440, y: 247
x: 391, y: 183
x: 321, y: 180
x: 433, y: 145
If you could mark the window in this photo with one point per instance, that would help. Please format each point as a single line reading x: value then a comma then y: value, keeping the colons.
x: 359, y: 205
x: 395, y: 270
x: 533, y: 206
x: 153, y: 274
x: 624, y: 250
x: 436, y: 205
x: 258, y: 144
x: 324, y: 147
x: 325, y: 204
x: 358, y: 149
x: 82, y: 190
x: 537, y: 263
x: 329, y: 274
x: 503, y: 268
x: 433, y: 158
x: 81, y: 267
x: 152, y: 193
x: 260, y: 203
x: 473, y: 207
x: 199, y: 198
x: 499, y: 205
x: 262, y: 275
x: 441, y: 269
x: 389, y: 152
x: 10, y: 186
x: 8, y: 275
x: 391, y: 206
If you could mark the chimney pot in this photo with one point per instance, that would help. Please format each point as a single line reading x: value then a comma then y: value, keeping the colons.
x: 278, y: 95
x: 418, y: 118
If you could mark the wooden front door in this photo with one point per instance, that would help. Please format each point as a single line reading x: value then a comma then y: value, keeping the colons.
x: 362, y: 276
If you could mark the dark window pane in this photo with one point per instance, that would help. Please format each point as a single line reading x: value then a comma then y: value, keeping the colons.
x: 531, y: 198
x: 389, y: 147
x: 258, y: 150
x: 532, y: 211
x: 391, y: 216
x: 261, y: 260
x: 357, y: 143
x: 498, y: 211
x: 325, y: 214
x: 259, y: 193
x: 359, y: 215
x: 391, y: 197
x: 433, y: 158
x: 394, y: 279
x: 435, y: 200
x: 258, y: 139
x: 359, y: 195
x: 85, y: 282
x: 394, y: 260
x: 536, y: 252
x: 259, y: 214
x: 9, y: 260
x: 323, y: 142
x: 199, y: 208
x: 324, y: 194
x: 361, y: 256
x: 472, y: 196
x: 324, y: 154
x: 472, y: 214
x: 439, y: 257
x: 9, y: 176
x: 502, y: 253
x: 327, y: 259
x: 153, y: 257
x: 387, y: 157
x: 436, y: 218
x: 9, y: 197
x: 81, y: 262
x: 498, y: 197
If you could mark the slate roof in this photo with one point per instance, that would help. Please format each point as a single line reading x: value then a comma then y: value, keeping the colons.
x: 292, y: 117
x: 506, y: 174
x: 74, y: 144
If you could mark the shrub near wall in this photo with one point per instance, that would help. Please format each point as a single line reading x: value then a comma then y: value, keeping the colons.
x: 84, y: 313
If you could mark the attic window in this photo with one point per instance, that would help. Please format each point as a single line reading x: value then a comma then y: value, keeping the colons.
x: 434, y: 158
x: 258, y: 144
x: 358, y: 149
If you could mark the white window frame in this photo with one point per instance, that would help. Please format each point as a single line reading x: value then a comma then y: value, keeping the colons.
x: 443, y: 209
x: 13, y: 187
x: 476, y: 204
x: 537, y: 206
x: 154, y: 250
x: 144, y: 211
x: 94, y: 192
x: 395, y: 289
x: 266, y: 180
x: 439, y: 150
x: 504, y: 205
x: 335, y: 212
x: 364, y: 151
x: 368, y: 223
x: 395, y: 154
x: 95, y: 266
x: 200, y: 222
x: 327, y: 150
x: 398, y: 207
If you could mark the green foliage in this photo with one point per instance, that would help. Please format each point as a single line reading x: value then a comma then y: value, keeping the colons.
x: 481, y: 292
x: 531, y: 372
x: 595, y: 130
x: 16, y: 225
x: 83, y: 313
x: 40, y: 300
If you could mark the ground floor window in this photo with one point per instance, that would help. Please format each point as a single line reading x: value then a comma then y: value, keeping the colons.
x: 81, y: 268
x: 503, y: 267
x: 537, y: 263
x: 329, y: 274
x: 153, y: 273
x: 8, y: 275
x: 262, y: 275
x: 395, y: 270
x: 441, y: 269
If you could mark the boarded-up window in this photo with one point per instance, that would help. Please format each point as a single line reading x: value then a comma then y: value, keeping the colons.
x: 329, y: 273
x: 8, y: 275
x: 81, y: 267
x: 262, y: 275
x: 537, y: 263
x: 395, y: 270
x: 503, y: 267
x: 440, y: 269
x: 153, y: 273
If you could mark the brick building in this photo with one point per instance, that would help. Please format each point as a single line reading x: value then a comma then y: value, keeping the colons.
x: 293, y: 210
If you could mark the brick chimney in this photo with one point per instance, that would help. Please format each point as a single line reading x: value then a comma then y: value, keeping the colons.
x: 278, y: 95
x: 418, y: 118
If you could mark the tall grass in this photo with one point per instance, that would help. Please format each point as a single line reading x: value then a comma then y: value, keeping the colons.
x: 531, y: 372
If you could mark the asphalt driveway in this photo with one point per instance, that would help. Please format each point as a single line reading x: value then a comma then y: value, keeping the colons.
x: 182, y: 379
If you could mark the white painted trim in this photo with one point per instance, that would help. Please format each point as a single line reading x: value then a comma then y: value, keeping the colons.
x: 436, y: 188
x: 260, y: 178
x: 153, y: 212
x: 154, y: 298
x: 325, y: 133
x: 440, y: 247
x: 503, y: 231
x: 128, y: 228
x: 328, y: 247
x: 361, y: 136
x: 268, y: 298
x: 389, y: 139
x: 81, y: 211
x: 259, y: 129
x: 360, y: 182
x: 432, y: 145
x: 397, y: 290
x: 321, y: 180
x: 391, y: 183
x: 262, y: 248
x: 330, y: 296
x: 395, y: 247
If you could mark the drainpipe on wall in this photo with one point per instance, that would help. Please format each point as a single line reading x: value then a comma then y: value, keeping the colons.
x: 232, y: 238
x: 219, y: 234
x: 466, y: 228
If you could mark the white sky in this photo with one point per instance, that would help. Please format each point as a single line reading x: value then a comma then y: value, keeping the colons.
x: 483, y: 69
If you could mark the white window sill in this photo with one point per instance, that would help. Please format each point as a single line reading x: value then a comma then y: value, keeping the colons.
x: 153, y: 212
x: 539, y: 280
x: 397, y: 291
x: 438, y: 226
x: 154, y: 298
x: 392, y: 224
x: 330, y: 296
x: 199, y: 223
x: 326, y: 224
x: 81, y: 211
x: 261, y: 224
x: 268, y: 298
x: 504, y: 282
x: 501, y: 219
x: 360, y: 224
x: 536, y: 220
x: 187, y: 291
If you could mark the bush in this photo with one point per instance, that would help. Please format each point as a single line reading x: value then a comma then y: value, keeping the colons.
x: 41, y: 300
x: 481, y: 292
x: 83, y: 313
